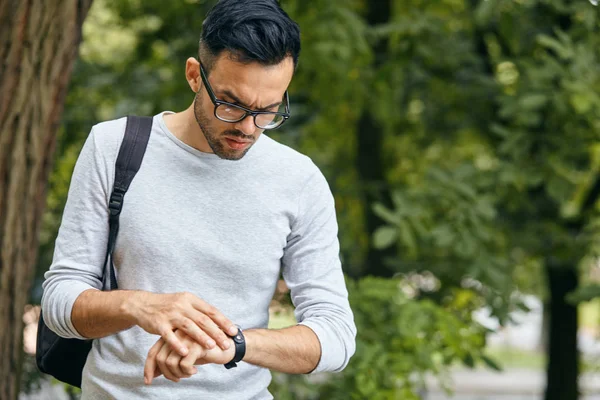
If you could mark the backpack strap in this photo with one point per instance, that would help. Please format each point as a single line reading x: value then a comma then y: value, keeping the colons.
x: 129, y: 160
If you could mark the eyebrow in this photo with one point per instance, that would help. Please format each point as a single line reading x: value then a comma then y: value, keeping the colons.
x: 231, y: 95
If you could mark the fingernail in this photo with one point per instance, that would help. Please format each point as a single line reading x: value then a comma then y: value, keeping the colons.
x: 210, y: 343
x: 146, y: 381
x: 195, y: 371
x: 183, y: 351
x: 233, y: 331
x: 226, y: 344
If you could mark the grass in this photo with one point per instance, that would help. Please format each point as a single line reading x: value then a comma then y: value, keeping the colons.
x: 282, y: 320
x: 589, y: 314
x: 509, y: 358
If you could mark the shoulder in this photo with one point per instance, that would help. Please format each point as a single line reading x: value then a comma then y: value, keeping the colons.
x: 288, y: 162
x: 107, y: 136
x: 297, y: 175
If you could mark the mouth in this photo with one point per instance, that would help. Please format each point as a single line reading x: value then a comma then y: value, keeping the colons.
x: 237, y: 144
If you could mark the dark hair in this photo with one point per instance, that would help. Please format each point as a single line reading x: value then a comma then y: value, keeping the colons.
x: 251, y: 31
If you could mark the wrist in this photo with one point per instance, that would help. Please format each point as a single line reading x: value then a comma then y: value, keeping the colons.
x: 239, y: 348
x: 254, y: 344
x: 130, y: 305
x: 250, y: 338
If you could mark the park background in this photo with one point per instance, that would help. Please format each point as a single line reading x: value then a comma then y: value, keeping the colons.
x: 461, y: 139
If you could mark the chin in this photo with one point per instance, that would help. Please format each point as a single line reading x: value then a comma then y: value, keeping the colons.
x: 232, y: 155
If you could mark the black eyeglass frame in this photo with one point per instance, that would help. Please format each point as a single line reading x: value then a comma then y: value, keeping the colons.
x: 216, y: 102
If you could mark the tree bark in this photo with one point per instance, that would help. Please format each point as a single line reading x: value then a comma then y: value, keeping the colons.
x: 38, y: 46
x: 369, y: 163
x: 563, y: 355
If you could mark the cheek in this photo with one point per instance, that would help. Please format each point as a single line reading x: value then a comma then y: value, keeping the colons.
x: 205, y: 109
x: 209, y: 111
x: 207, y: 116
x: 217, y: 126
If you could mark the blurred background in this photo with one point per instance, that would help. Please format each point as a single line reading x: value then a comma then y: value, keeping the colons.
x: 461, y: 139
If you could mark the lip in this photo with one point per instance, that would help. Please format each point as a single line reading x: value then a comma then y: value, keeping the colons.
x: 233, y: 139
x: 237, y: 144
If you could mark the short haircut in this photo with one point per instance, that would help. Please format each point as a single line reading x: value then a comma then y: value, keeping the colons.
x: 251, y: 31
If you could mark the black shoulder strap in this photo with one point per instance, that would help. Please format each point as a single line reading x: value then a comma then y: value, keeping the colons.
x: 128, y: 164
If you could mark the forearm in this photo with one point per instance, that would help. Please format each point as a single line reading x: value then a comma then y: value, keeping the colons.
x: 98, y: 313
x: 293, y: 350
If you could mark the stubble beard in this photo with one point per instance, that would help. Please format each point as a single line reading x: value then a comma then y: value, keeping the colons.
x: 212, y: 138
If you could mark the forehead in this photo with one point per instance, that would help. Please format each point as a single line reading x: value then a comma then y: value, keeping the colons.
x: 253, y: 81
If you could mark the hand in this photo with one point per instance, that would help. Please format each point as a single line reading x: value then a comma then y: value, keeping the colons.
x: 162, y: 360
x: 163, y: 314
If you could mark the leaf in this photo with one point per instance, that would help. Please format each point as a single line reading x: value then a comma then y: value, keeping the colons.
x: 408, y: 238
x: 581, y: 102
x: 469, y: 361
x: 500, y: 130
x: 490, y: 362
x: 485, y: 12
x: 523, y: 307
x: 385, y: 213
x: 466, y: 190
x: 384, y: 237
x: 584, y: 293
x: 551, y: 43
x: 533, y: 101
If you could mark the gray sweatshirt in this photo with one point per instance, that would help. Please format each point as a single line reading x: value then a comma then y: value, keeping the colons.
x: 222, y: 230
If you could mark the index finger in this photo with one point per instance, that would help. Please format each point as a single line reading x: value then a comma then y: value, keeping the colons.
x: 150, y: 365
x: 221, y: 320
x: 173, y: 341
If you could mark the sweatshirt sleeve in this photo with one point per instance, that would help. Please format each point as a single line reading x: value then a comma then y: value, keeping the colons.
x: 81, y: 242
x: 313, y: 272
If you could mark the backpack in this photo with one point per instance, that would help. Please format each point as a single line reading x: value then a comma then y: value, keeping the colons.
x: 65, y: 358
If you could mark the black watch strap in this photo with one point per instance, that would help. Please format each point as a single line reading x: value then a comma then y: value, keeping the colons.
x: 240, y: 349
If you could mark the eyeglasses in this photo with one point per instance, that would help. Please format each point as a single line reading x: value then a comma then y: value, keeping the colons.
x: 232, y: 113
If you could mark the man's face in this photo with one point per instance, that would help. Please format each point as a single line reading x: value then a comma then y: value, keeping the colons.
x: 253, y: 86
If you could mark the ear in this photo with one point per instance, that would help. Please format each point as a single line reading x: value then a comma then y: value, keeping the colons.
x: 192, y: 74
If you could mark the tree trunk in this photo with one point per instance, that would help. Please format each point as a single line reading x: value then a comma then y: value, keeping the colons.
x: 545, y: 331
x: 369, y: 163
x: 563, y: 355
x: 38, y: 45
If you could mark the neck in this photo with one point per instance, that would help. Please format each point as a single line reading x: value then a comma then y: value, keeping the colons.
x: 185, y: 127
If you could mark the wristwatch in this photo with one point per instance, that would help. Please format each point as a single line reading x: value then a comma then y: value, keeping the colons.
x: 240, y: 349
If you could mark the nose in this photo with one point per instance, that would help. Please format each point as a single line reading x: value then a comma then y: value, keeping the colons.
x: 246, y: 125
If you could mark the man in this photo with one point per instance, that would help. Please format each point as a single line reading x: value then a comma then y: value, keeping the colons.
x: 214, y: 214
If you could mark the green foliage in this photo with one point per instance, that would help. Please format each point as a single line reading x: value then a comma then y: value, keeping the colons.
x: 399, y: 340
x: 585, y: 293
x: 494, y: 142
